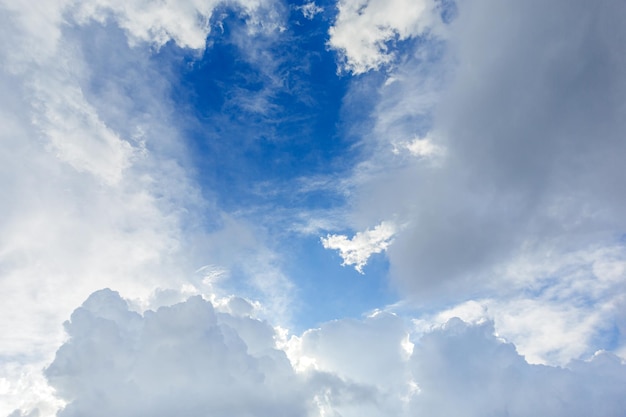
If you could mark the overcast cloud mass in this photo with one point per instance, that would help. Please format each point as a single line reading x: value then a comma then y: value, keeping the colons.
x: 330, y: 208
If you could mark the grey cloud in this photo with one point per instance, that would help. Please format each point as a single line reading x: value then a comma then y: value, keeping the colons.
x: 532, y: 121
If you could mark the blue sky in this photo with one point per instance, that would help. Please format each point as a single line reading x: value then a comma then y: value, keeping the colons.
x: 339, y: 208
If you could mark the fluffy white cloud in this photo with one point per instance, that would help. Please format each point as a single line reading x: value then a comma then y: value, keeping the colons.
x: 364, y: 29
x: 194, y: 358
x: 93, y: 170
x: 186, y: 358
x: 357, y: 250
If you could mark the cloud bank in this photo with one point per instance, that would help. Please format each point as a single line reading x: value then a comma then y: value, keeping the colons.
x: 194, y: 358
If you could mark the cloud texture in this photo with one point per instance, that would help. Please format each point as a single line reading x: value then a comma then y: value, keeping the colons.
x: 185, y: 359
x: 489, y: 155
x: 96, y: 183
x: 524, y: 201
x: 193, y: 359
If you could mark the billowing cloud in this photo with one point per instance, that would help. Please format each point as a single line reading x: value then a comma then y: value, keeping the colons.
x: 357, y: 250
x: 186, y: 358
x: 502, y: 383
x: 195, y: 358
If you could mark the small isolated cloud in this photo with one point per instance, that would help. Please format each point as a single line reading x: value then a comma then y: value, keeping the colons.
x: 310, y: 10
x: 356, y: 251
x: 363, y: 29
x: 419, y: 147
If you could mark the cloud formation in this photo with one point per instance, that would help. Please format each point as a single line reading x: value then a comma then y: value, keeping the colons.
x: 195, y: 359
x: 357, y: 250
x: 520, y: 211
x: 498, y: 149
x: 531, y: 127
x: 365, y: 31
x: 95, y: 175
x: 186, y: 359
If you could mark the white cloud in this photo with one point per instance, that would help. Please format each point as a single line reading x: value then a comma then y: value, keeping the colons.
x: 357, y: 250
x: 363, y: 30
x: 526, y: 211
x: 76, y: 134
x: 195, y: 358
x: 419, y: 147
x: 484, y: 374
x: 186, y: 358
x: 310, y: 10
x: 94, y: 175
x: 554, y: 310
x: 445, y: 361
x: 186, y: 23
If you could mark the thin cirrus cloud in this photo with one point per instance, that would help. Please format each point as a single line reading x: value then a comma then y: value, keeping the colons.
x: 488, y: 140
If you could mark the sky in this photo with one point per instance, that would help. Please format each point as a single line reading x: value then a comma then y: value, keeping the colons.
x: 326, y: 209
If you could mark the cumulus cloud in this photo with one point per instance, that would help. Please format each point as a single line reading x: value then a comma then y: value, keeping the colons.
x: 357, y: 250
x: 523, y: 217
x: 363, y: 30
x: 196, y: 358
x: 502, y: 382
x: 186, y: 358
x: 93, y: 168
